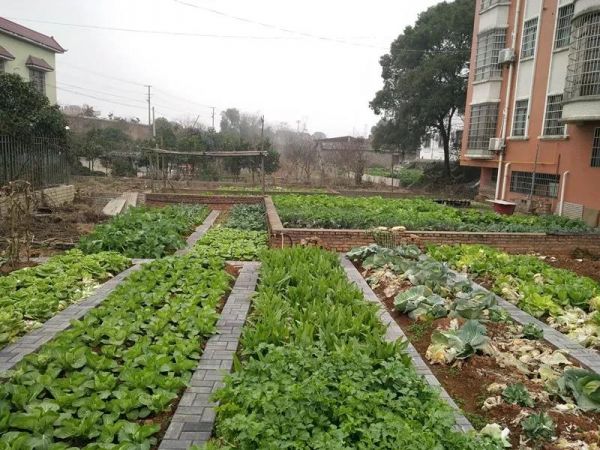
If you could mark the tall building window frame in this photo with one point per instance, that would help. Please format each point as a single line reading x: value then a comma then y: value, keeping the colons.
x: 596, y: 149
x: 489, y: 44
x: 562, y: 34
x: 583, y: 71
x: 483, y: 123
x: 529, y: 39
x: 545, y: 184
x: 487, y: 4
x: 553, y: 115
x: 520, y: 118
x: 37, y: 78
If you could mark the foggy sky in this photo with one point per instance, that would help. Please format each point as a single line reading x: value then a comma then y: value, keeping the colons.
x: 293, y: 77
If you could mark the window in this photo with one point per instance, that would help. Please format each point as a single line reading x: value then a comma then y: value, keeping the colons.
x: 37, y: 78
x: 489, y: 45
x: 563, y: 26
x: 482, y: 125
x: 529, y: 35
x: 520, y: 119
x: 485, y: 4
x: 583, y: 72
x: 596, y: 149
x: 552, y: 124
x: 545, y: 184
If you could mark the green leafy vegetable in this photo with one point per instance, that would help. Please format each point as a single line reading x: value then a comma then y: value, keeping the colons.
x: 517, y: 394
x: 539, y: 427
x: 247, y: 217
x: 583, y: 386
x: 533, y: 332
x: 231, y: 244
x: 449, y: 345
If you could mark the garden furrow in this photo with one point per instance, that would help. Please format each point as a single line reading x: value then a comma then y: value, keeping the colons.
x: 394, y: 332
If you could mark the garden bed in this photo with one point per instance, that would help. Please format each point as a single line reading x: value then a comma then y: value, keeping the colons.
x: 115, y: 377
x: 506, y: 364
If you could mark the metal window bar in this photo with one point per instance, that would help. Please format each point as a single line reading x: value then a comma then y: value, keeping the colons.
x: 485, y: 4
x: 482, y: 125
x: 42, y: 162
x: 583, y: 71
x: 520, y: 121
x: 552, y: 121
x: 489, y: 45
x: 596, y: 149
x: 529, y: 38
x: 546, y: 184
x: 562, y: 36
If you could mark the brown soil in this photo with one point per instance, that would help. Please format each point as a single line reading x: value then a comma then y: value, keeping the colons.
x: 585, y: 267
x: 467, y: 381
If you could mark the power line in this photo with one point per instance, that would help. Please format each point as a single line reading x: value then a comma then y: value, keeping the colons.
x: 95, y: 98
x: 274, y: 27
x: 122, y: 80
x: 73, y: 86
x: 159, y: 32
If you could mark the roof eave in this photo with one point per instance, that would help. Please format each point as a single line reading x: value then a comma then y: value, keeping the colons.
x: 57, y: 49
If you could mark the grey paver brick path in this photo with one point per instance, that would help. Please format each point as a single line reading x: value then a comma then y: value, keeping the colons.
x: 195, y: 416
x: 394, y: 332
x: 200, y: 231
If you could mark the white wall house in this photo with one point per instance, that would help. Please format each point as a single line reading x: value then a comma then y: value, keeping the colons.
x: 29, y: 54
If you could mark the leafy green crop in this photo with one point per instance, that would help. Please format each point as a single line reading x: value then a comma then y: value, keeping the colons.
x: 30, y: 296
x: 231, y: 244
x: 449, y: 345
x: 247, y: 217
x: 144, y: 232
x: 325, y: 211
x: 533, y: 332
x: 317, y: 373
x: 583, y: 386
x: 539, y: 427
x: 102, y: 383
x: 517, y: 394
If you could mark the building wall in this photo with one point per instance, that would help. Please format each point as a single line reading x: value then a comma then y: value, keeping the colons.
x: 135, y: 131
x: 21, y: 50
x: 535, y: 79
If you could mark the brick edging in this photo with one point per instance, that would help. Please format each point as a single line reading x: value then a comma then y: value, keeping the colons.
x: 195, y: 416
x: 588, y: 358
x: 198, y: 233
x: 394, y: 332
x: 32, y: 341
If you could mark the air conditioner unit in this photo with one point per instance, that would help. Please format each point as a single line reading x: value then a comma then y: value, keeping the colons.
x: 507, y: 56
x: 496, y: 144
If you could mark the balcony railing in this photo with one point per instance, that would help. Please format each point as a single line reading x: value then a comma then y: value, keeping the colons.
x: 480, y: 154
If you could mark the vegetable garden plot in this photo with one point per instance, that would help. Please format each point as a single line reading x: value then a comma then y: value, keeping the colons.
x: 29, y: 297
x: 144, y: 232
x: 247, y: 217
x: 316, y: 372
x: 112, y: 380
x: 504, y: 376
x: 566, y: 301
x: 322, y: 211
x: 231, y: 244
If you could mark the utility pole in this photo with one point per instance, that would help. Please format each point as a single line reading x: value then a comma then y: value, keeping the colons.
x: 262, y: 150
x: 297, y: 126
x: 153, y: 124
x: 213, y: 117
x: 149, y: 105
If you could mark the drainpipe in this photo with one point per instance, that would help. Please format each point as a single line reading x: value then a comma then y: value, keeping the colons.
x: 506, y: 102
x: 562, y: 193
x: 504, y: 181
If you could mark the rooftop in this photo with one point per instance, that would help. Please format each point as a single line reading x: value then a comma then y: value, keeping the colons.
x: 27, y: 34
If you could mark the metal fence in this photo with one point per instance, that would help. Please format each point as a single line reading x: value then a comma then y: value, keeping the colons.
x: 42, y: 162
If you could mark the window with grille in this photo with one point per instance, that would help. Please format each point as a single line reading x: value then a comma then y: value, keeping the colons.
x: 562, y: 38
x: 489, y: 45
x: 545, y: 184
x: 552, y: 124
x: 596, y: 149
x: 485, y: 4
x: 482, y: 125
x: 520, y: 120
x: 37, y: 78
x: 529, y: 35
x: 583, y: 71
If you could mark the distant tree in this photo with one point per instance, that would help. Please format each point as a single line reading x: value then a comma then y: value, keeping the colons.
x: 88, y: 111
x: 423, y: 86
x: 319, y: 135
x: 165, y: 133
x: 389, y: 135
x: 25, y: 113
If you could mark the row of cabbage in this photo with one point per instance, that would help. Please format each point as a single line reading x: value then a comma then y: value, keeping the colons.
x: 566, y: 301
x: 327, y: 211
x: 316, y: 371
x: 109, y: 380
x: 426, y: 290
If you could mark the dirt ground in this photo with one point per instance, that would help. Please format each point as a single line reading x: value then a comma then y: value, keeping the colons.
x: 587, y: 267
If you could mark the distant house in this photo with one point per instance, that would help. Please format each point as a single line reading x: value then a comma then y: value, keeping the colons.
x: 29, y: 54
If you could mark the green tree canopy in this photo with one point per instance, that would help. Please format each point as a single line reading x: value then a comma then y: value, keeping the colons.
x: 26, y: 113
x: 423, y: 87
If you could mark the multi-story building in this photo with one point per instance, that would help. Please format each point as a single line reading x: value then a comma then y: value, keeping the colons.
x: 532, y: 121
x: 29, y: 54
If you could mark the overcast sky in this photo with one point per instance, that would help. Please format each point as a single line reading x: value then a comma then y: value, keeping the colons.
x: 287, y: 76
